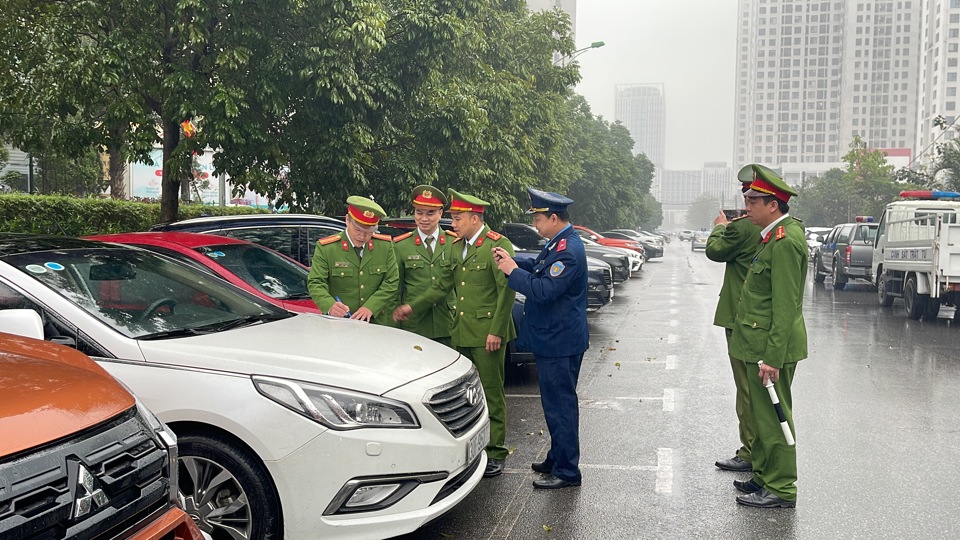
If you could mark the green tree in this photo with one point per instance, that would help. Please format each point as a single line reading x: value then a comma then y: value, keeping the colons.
x: 653, y: 213
x: 702, y: 212
x: 945, y: 170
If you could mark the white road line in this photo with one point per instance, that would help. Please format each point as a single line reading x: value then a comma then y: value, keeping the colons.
x: 671, y: 338
x: 671, y: 361
x: 671, y: 301
x: 674, y: 311
x: 668, y: 399
x: 674, y: 322
x: 664, y: 470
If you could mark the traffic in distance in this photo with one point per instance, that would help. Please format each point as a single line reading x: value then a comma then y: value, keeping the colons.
x: 281, y: 421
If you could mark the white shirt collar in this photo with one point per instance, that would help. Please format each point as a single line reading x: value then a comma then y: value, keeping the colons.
x: 473, y: 240
x: 423, y: 237
x: 766, y: 230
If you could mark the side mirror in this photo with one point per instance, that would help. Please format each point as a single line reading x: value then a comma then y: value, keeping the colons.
x: 593, y: 237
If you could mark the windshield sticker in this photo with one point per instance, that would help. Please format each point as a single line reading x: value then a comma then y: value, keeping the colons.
x: 54, y: 266
x: 216, y: 254
x: 36, y: 269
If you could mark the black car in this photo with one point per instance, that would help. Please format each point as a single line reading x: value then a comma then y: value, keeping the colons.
x: 526, y: 237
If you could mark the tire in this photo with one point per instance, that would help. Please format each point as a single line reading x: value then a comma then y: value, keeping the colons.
x: 932, y: 310
x: 818, y: 276
x: 839, y: 280
x: 885, y: 299
x: 913, y: 303
x: 240, y: 476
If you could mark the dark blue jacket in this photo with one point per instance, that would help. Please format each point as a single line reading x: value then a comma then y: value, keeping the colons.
x: 555, y: 284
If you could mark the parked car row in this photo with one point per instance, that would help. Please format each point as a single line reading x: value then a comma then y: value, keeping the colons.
x: 288, y: 422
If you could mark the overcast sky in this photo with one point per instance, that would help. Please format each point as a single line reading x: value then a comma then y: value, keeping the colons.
x: 687, y: 45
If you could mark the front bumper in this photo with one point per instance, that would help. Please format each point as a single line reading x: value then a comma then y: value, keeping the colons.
x: 432, y: 469
x: 171, y: 524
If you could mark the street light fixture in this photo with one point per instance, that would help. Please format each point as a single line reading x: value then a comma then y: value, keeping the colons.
x: 578, y: 52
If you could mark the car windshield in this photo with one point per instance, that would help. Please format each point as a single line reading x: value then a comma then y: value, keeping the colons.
x: 141, y: 294
x: 265, y: 270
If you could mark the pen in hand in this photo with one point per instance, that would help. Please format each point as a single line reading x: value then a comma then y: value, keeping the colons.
x: 337, y: 298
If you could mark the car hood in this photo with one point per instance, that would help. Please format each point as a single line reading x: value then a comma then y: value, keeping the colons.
x: 312, y: 348
x: 48, y: 392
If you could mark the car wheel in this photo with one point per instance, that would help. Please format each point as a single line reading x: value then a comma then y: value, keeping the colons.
x: 913, y: 303
x: 226, y: 490
x: 885, y: 299
x: 839, y: 280
x: 818, y: 275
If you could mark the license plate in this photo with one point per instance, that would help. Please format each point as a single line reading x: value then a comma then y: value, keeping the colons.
x: 478, y: 442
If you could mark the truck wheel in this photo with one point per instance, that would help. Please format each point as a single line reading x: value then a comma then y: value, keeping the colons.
x: 932, y: 310
x: 913, y: 303
x: 225, y: 489
x: 885, y: 299
x: 818, y: 275
x: 839, y: 280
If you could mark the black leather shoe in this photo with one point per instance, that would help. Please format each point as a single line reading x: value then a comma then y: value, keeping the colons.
x: 552, y: 482
x: 494, y: 468
x: 734, y: 464
x: 765, y: 499
x: 544, y: 467
x: 747, y: 487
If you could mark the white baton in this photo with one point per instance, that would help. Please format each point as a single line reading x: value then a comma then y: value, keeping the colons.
x: 776, y: 405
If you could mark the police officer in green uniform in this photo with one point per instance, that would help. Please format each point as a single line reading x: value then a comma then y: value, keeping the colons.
x: 770, y: 337
x: 425, y: 263
x: 482, y: 320
x: 735, y: 243
x: 354, y: 273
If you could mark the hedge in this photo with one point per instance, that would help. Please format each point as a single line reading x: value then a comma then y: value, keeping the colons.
x: 72, y: 216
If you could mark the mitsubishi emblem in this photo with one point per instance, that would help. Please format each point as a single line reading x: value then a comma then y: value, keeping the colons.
x: 85, y: 498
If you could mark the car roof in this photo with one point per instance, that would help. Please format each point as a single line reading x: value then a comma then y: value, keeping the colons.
x: 186, y: 239
x: 216, y: 222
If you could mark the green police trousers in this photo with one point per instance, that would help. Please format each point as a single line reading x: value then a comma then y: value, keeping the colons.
x: 491, y: 370
x: 774, y: 462
x: 747, y: 433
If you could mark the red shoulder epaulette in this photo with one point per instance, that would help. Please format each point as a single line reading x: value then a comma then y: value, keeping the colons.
x: 494, y: 235
x: 562, y: 245
x: 328, y: 240
x: 403, y: 236
x: 781, y: 232
x: 386, y: 237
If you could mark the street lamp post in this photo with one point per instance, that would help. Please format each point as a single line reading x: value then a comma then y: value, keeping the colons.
x: 578, y: 52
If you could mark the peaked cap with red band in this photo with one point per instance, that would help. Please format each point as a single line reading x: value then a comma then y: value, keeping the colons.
x: 364, y: 211
x: 765, y: 183
x: 429, y: 196
x: 466, y: 203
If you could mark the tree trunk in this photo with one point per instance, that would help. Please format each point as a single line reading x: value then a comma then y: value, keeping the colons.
x: 117, y: 169
x: 170, y: 187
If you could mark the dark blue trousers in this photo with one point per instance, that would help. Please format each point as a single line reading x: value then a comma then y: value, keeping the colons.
x: 558, y: 394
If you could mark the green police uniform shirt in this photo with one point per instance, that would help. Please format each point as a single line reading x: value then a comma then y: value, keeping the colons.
x: 337, y: 271
x: 426, y: 283
x: 769, y: 321
x: 483, y: 302
x: 734, y: 244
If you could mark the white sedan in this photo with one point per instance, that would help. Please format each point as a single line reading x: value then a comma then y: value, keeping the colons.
x: 300, y: 426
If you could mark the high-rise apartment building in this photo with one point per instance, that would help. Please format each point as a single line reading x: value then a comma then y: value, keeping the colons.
x: 939, y: 56
x: 642, y: 110
x: 814, y: 74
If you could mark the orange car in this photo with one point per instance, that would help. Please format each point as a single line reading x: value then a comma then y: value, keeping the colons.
x: 80, y: 457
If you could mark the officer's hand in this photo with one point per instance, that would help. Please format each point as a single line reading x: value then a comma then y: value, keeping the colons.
x: 402, y: 312
x: 721, y: 219
x: 362, y: 314
x: 504, y: 261
x: 769, y: 373
x: 493, y: 343
x: 338, y: 309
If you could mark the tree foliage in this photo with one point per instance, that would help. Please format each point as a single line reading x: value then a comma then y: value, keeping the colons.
x: 702, y: 212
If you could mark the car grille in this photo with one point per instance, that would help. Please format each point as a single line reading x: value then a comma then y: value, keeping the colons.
x: 41, y: 491
x: 458, y: 405
x: 607, y: 279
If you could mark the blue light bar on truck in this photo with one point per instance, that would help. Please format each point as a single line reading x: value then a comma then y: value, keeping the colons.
x: 930, y: 195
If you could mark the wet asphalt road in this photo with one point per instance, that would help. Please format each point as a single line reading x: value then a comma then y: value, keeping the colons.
x: 878, y: 441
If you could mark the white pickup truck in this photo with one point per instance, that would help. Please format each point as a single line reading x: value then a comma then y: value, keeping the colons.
x: 917, y: 252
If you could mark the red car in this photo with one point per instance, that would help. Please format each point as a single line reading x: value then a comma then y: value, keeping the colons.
x: 254, y: 268
x: 605, y: 241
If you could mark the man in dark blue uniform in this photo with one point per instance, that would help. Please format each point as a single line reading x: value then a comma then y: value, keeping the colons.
x: 555, y: 328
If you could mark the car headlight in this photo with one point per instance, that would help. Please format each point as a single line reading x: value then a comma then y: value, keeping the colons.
x: 610, y: 256
x: 337, y: 408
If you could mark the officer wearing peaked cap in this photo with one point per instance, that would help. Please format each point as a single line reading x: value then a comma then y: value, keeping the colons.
x: 425, y: 264
x: 482, y: 320
x: 735, y: 243
x: 555, y: 329
x: 354, y: 273
x: 770, y: 337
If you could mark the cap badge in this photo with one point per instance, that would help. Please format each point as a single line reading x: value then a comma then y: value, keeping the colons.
x: 367, y: 213
x: 428, y: 194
